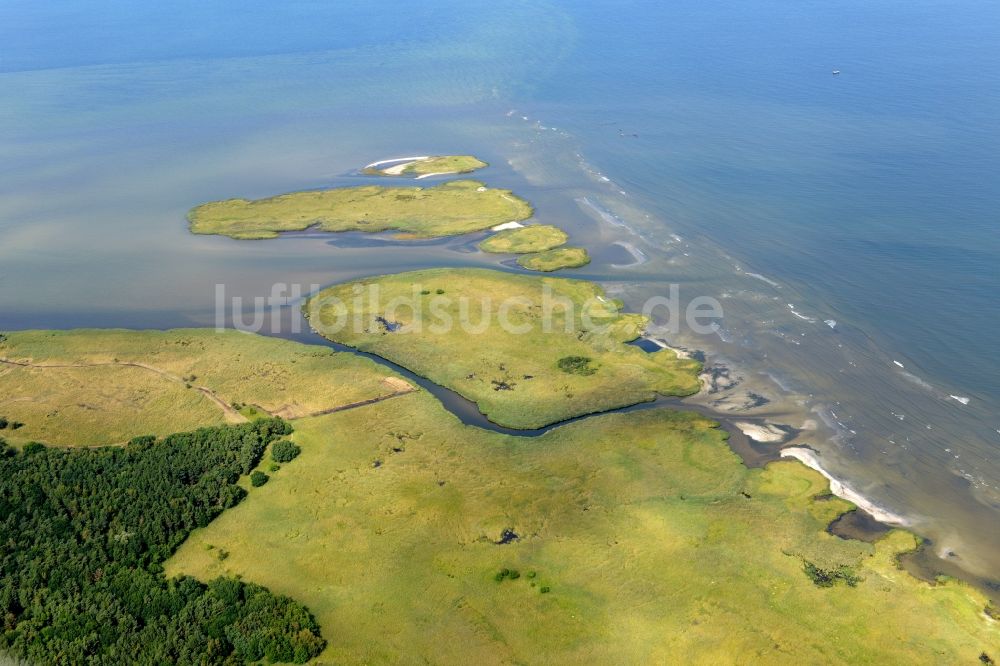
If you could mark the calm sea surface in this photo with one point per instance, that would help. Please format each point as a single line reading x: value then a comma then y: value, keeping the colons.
x: 849, y: 224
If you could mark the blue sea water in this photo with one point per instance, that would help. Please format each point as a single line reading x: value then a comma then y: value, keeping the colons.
x: 878, y: 187
x: 869, y: 197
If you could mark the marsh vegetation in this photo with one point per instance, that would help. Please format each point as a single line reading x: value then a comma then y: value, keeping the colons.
x: 533, y: 238
x: 496, y: 338
x: 94, y: 387
x: 554, y: 260
x: 452, y: 208
x: 641, y: 537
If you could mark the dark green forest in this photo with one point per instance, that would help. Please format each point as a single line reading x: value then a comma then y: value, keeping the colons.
x: 84, y: 534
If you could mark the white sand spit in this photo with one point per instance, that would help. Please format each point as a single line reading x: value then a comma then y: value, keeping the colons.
x: 396, y: 169
x: 397, y: 159
x: 809, y: 459
x: 507, y: 225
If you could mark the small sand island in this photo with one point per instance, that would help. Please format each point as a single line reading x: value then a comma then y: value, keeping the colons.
x: 554, y: 260
x: 425, y: 166
x: 449, y: 209
x: 526, y: 379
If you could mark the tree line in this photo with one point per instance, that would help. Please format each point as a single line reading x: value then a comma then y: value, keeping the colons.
x: 83, y: 537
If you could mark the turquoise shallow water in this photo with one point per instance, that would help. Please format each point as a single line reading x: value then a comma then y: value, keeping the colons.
x: 868, y: 198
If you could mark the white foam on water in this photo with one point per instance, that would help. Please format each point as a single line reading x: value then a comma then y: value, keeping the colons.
x: 758, y: 276
x: 603, y: 213
x: 782, y: 384
x: 638, y: 256
x: 832, y: 323
x: 723, y: 334
x: 833, y: 422
x: 909, y: 376
x: 800, y: 315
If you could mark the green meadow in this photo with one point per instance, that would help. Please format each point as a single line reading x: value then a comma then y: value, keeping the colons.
x: 93, y: 387
x: 633, y: 538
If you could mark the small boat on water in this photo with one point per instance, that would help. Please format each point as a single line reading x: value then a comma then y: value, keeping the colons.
x: 836, y: 72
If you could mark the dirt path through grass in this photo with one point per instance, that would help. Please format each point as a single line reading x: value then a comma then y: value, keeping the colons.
x: 207, y: 392
x: 401, y: 388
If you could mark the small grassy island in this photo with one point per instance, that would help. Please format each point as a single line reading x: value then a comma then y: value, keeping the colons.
x: 516, y: 379
x: 428, y: 165
x: 554, y: 260
x: 534, y: 238
x: 451, y: 208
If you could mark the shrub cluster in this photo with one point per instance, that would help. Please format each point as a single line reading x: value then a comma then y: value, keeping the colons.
x: 830, y: 577
x: 512, y: 574
x: 576, y: 365
x: 284, y: 451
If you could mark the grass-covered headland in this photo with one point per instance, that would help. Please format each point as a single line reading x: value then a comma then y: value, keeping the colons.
x: 85, y: 534
x: 452, y: 208
x: 501, y: 340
